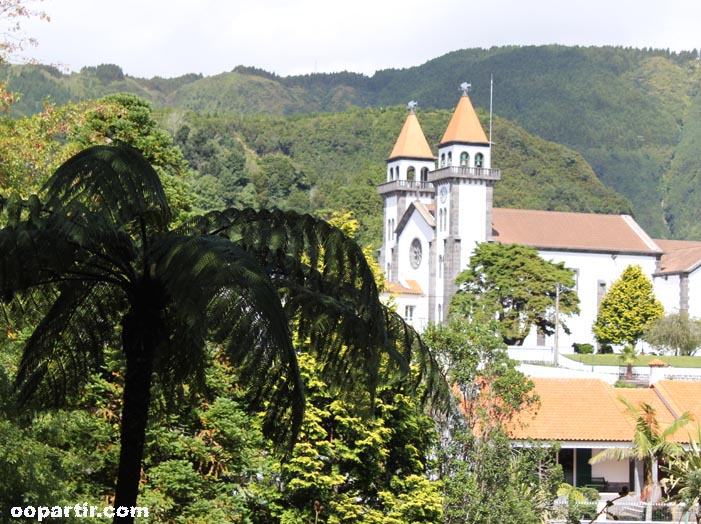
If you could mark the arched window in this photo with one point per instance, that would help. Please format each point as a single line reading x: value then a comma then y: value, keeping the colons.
x: 440, y: 266
x: 411, y: 173
x: 479, y: 160
x: 442, y: 159
x: 450, y: 158
x: 464, y: 158
x: 424, y: 174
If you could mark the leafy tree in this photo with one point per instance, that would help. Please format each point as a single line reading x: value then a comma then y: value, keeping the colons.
x: 627, y: 309
x: 683, y: 482
x: 484, y: 479
x: 513, y: 284
x: 651, y: 444
x: 12, y: 39
x: 676, y: 333
x: 95, y: 252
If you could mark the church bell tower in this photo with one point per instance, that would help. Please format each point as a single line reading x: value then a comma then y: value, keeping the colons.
x: 464, y: 183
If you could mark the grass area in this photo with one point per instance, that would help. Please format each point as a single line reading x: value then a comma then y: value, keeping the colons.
x: 642, y: 360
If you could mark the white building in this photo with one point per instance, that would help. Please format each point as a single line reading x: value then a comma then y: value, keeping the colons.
x: 438, y: 207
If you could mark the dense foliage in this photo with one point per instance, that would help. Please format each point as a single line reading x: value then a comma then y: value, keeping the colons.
x: 513, y: 284
x: 627, y: 309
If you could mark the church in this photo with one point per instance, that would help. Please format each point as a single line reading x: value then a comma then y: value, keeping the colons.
x: 438, y: 207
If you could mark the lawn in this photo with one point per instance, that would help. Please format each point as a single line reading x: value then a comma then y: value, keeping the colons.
x: 642, y: 360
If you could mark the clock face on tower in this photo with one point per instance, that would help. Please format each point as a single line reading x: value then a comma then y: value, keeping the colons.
x: 444, y: 193
x: 415, y: 253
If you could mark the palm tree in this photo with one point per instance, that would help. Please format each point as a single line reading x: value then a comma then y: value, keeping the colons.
x: 651, y: 444
x: 95, y: 252
x: 684, y: 475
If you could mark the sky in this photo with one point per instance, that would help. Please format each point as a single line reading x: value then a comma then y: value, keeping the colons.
x: 169, y: 38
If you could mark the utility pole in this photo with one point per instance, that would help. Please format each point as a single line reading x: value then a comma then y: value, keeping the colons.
x: 557, y: 324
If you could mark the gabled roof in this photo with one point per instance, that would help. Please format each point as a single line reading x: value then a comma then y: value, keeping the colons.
x: 424, y: 210
x: 464, y: 126
x: 574, y: 410
x: 411, y: 142
x: 557, y: 230
x: 590, y: 410
x: 680, y: 256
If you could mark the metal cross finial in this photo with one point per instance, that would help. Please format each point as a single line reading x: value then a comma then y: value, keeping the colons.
x: 412, y: 106
x: 465, y: 88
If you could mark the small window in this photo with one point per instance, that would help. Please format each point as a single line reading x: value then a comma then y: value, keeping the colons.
x: 442, y: 159
x: 411, y: 173
x: 409, y: 313
x: 479, y: 160
x: 424, y: 174
x: 450, y: 158
x: 464, y: 158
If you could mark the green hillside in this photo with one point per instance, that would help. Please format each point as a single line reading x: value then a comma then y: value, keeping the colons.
x: 632, y: 114
x: 334, y: 161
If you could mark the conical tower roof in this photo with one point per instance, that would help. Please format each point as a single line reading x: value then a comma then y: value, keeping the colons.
x: 464, y: 126
x: 411, y: 142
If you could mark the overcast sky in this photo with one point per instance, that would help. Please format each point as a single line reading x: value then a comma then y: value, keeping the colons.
x: 172, y: 37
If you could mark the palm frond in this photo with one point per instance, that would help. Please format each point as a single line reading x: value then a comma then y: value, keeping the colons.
x: 222, y: 294
x: 67, y: 344
x: 114, y: 180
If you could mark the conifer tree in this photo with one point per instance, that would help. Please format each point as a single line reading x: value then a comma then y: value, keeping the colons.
x: 627, y: 309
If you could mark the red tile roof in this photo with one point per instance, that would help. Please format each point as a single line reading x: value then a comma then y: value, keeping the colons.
x: 592, y: 410
x: 680, y: 256
x: 564, y: 230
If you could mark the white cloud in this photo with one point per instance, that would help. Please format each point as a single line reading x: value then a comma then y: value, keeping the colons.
x: 173, y: 37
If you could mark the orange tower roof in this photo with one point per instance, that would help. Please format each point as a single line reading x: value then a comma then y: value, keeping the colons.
x: 411, y: 142
x: 464, y: 125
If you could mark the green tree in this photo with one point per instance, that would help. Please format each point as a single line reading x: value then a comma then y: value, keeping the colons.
x: 683, y: 481
x: 676, y: 333
x: 484, y: 479
x: 513, y: 284
x: 95, y: 251
x: 627, y: 309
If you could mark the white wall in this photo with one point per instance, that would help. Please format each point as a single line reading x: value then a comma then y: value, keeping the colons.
x: 611, y: 470
x: 667, y: 292
x: 591, y: 268
x: 416, y: 227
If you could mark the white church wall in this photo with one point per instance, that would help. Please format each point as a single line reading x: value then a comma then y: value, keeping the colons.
x: 472, y: 217
x: 667, y: 292
x: 415, y: 228
x: 594, y: 271
x: 695, y: 293
x: 413, y: 309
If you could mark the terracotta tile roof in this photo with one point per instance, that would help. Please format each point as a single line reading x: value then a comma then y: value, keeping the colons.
x: 680, y: 256
x: 411, y: 142
x: 591, y: 410
x: 574, y: 410
x: 412, y: 288
x: 464, y: 125
x: 564, y: 230
x: 681, y: 396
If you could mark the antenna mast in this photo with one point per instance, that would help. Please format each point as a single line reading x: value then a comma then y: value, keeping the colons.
x: 491, y: 92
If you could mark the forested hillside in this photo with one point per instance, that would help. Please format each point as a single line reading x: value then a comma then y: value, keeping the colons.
x: 334, y: 161
x: 632, y: 114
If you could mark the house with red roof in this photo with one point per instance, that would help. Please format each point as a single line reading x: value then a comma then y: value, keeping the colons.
x: 438, y: 207
x: 586, y: 416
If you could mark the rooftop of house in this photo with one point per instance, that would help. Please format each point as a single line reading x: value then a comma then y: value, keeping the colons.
x: 571, y: 231
x: 590, y: 410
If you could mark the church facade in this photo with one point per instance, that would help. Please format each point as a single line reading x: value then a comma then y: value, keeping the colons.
x: 438, y: 207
